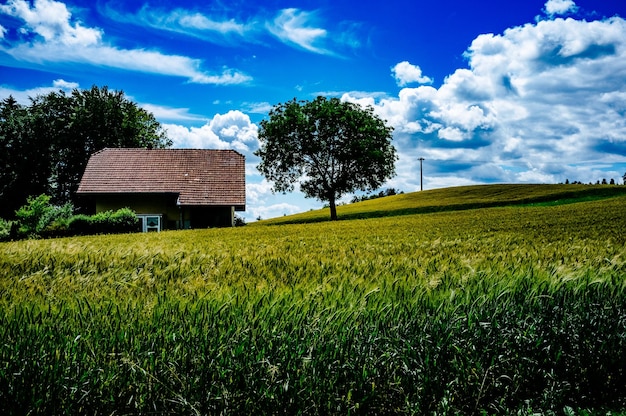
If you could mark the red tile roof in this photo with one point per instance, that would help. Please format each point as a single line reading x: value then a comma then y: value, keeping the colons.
x: 198, y: 176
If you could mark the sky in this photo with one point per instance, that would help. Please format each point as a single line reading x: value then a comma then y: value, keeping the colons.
x: 485, y: 91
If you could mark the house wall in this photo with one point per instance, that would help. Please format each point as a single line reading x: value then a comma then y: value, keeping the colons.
x: 174, y: 216
x: 163, y: 204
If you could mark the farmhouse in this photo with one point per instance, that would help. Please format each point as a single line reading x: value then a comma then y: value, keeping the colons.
x: 167, y: 188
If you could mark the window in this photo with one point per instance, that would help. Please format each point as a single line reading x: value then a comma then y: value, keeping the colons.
x: 150, y: 223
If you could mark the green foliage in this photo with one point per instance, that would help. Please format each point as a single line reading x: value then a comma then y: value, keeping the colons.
x: 513, y: 310
x: 80, y: 225
x: 330, y: 147
x: 39, y: 218
x: 123, y: 220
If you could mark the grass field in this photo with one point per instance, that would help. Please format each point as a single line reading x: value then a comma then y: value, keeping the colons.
x: 500, y: 310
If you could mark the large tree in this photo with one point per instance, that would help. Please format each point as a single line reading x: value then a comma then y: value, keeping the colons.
x: 330, y: 147
x: 24, y: 166
x: 45, y: 146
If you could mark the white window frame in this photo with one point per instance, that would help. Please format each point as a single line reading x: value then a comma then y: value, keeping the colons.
x: 145, y: 227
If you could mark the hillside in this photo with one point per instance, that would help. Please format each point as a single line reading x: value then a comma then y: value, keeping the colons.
x: 459, y: 198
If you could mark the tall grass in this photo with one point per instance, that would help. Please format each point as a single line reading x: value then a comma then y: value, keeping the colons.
x: 492, y: 311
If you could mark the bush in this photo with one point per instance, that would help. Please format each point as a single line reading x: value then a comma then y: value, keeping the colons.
x: 79, y: 225
x: 123, y: 220
x: 29, y: 215
x: 38, y: 214
x: 38, y: 218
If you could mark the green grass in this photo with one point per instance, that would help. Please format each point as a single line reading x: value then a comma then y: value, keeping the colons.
x: 504, y: 310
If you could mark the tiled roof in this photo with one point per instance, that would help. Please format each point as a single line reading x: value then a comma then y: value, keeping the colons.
x: 198, y: 176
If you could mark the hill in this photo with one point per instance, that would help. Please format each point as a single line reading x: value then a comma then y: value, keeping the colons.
x: 459, y: 198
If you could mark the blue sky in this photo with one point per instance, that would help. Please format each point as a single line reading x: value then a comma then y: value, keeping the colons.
x: 486, y: 92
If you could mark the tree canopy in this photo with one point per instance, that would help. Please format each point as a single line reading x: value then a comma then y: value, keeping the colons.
x: 330, y: 147
x: 45, y: 146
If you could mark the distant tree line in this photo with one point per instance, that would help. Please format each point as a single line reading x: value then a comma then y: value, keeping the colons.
x: 383, y: 193
x: 45, y: 146
x: 598, y: 182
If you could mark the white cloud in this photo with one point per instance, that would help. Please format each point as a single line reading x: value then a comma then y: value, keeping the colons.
x: 405, y: 74
x: 3, y: 32
x: 538, y: 103
x: 256, y: 192
x: 60, y: 39
x: 559, y: 7
x: 51, y: 20
x: 171, y: 114
x: 274, y: 210
x: 293, y: 26
x: 232, y: 130
x: 64, y: 85
x: 194, y: 137
x: 190, y: 23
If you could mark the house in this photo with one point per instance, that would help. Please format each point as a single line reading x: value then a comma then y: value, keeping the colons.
x: 167, y: 188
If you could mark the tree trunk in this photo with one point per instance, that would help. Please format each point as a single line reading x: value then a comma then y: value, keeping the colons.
x: 333, y: 208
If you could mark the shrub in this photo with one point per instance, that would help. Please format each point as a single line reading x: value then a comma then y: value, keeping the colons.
x: 29, y: 215
x: 123, y: 220
x: 38, y: 214
x: 79, y: 225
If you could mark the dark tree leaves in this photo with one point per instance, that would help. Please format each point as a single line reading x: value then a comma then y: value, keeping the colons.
x: 330, y: 147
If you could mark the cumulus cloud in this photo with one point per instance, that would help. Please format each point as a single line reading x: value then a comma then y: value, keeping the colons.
x: 405, y: 74
x: 539, y: 102
x: 559, y: 7
x: 52, y: 21
x: 50, y: 34
x: 232, y: 130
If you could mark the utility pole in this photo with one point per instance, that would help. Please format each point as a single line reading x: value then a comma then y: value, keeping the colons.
x: 421, y: 159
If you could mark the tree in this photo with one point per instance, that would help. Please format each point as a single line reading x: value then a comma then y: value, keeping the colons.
x: 44, y: 147
x: 330, y: 147
x: 24, y: 167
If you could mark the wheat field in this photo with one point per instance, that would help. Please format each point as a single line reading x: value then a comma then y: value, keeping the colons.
x: 515, y: 309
